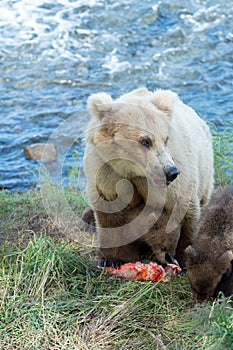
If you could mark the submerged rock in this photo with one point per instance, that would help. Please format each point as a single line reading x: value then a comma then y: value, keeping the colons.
x: 41, y: 151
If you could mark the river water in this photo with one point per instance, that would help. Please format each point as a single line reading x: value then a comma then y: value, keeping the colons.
x: 55, y: 53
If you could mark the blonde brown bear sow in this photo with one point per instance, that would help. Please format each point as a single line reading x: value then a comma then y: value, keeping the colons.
x: 210, y: 257
x: 149, y: 168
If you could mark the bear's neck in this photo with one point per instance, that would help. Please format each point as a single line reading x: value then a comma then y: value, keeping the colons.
x: 111, y: 185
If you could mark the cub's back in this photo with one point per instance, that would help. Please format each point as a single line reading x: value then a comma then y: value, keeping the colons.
x: 216, y: 221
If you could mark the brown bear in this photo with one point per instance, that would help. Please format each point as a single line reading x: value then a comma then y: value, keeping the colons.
x: 149, y: 168
x: 210, y: 256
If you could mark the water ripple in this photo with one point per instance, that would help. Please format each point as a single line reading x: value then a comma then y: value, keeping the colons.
x: 54, y: 54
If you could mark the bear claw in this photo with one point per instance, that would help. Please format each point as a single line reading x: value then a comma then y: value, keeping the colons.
x: 102, y: 262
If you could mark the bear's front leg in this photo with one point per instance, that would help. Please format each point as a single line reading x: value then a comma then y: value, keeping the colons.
x: 162, y: 242
x: 120, y: 235
x: 118, y: 255
x: 188, y: 226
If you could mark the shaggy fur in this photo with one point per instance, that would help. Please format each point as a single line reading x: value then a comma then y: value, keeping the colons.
x: 210, y: 255
x: 133, y: 145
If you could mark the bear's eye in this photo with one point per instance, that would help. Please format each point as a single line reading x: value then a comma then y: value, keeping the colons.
x: 146, y: 142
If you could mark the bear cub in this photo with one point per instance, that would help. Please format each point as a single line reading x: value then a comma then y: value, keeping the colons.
x: 209, y: 258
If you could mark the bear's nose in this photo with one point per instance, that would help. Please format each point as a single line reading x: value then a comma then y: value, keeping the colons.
x: 171, y: 173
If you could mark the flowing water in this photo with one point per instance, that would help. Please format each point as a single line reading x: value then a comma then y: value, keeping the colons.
x: 55, y: 53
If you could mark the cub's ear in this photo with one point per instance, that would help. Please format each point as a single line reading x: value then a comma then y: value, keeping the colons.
x: 224, y: 261
x: 99, y: 103
x: 164, y: 99
x: 191, y: 254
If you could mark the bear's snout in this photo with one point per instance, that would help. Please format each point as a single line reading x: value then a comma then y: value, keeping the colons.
x: 171, y: 173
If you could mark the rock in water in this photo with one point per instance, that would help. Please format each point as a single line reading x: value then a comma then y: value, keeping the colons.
x: 41, y: 151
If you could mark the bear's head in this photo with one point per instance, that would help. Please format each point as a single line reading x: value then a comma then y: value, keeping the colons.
x: 205, y: 271
x: 132, y: 133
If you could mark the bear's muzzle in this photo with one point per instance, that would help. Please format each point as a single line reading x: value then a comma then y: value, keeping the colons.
x: 171, y: 173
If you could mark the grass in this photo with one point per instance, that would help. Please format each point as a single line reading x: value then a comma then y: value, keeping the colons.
x: 223, y: 149
x: 53, y: 297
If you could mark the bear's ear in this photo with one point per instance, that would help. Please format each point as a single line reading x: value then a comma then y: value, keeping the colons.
x: 224, y: 261
x: 191, y: 254
x: 99, y: 103
x: 164, y: 99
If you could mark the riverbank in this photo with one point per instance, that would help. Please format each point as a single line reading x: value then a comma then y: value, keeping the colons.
x: 54, y: 297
